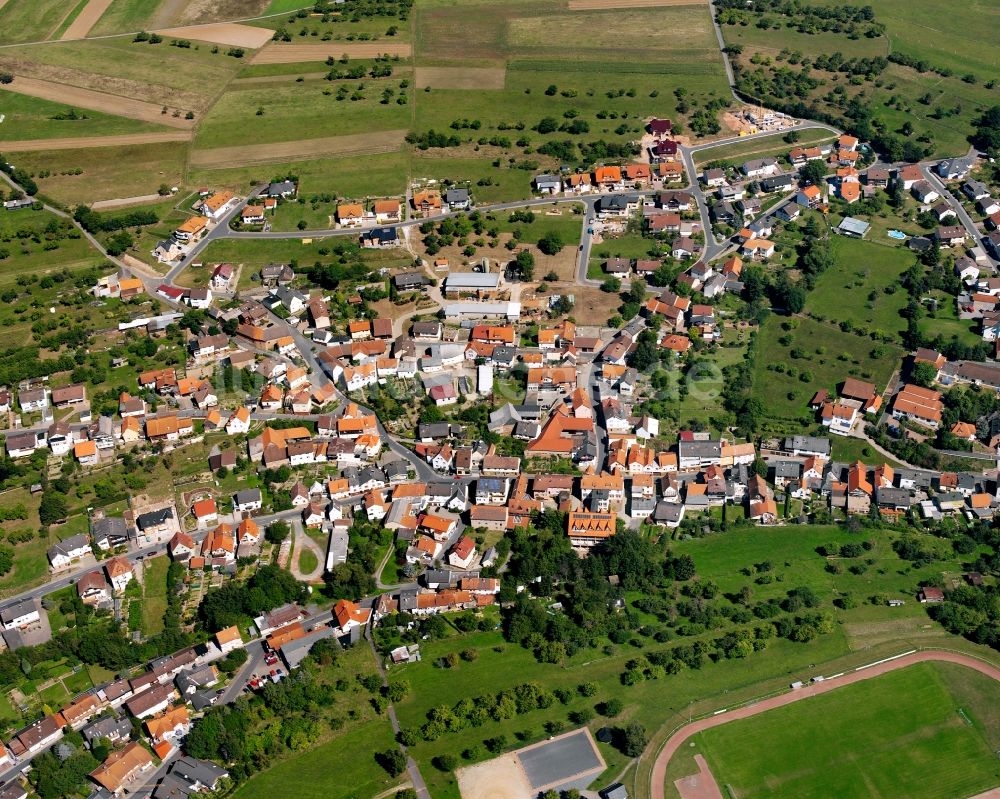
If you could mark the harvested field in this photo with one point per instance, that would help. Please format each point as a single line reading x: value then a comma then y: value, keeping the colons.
x: 597, y: 5
x: 460, y: 77
x: 230, y: 34
x: 361, y: 144
x: 81, y: 26
x: 85, y: 142
x: 121, y: 202
x: 97, y: 101
x: 295, y: 53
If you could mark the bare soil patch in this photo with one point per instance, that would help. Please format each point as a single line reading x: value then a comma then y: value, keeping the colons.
x: 361, y: 144
x: 198, y: 11
x: 96, y: 101
x: 500, y: 778
x: 699, y: 786
x: 230, y: 34
x: 106, y: 84
x: 460, y: 77
x: 121, y: 202
x: 597, y: 5
x: 80, y: 27
x: 86, y: 142
x: 293, y: 53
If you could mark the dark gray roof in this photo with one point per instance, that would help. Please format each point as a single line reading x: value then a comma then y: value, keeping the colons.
x: 154, y: 518
x: 109, y: 727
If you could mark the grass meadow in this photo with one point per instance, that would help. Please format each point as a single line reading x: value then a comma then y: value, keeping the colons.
x: 125, y: 16
x: 660, y: 704
x: 27, y: 118
x: 862, y: 287
x: 828, y: 355
x: 31, y: 20
x: 108, y: 173
x: 898, y: 735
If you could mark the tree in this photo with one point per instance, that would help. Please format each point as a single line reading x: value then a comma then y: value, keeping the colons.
x: 277, y: 532
x: 551, y: 243
x: 924, y: 374
x: 813, y: 173
x: 633, y: 739
x: 392, y: 760
x: 611, y: 285
x: 53, y: 508
x: 525, y: 264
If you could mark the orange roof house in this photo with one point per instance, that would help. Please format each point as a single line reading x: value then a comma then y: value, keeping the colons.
x: 965, y: 430
x: 216, y: 201
x: 191, y: 227
x: 349, y: 613
x: 586, y: 529
x: 122, y: 767
x: 350, y: 211
x: 427, y: 201
x: 204, y: 508
x: 608, y: 174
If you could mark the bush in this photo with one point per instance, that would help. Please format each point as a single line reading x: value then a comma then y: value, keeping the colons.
x: 392, y: 760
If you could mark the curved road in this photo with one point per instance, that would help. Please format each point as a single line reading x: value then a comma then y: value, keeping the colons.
x: 674, y: 742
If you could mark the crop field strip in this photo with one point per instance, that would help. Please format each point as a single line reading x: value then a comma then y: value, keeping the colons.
x: 294, y: 53
x: 95, y: 100
x: 230, y: 34
x: 593, y: 5
x: 86, y: 19
x: 125, y: 140
x: 359, y: 144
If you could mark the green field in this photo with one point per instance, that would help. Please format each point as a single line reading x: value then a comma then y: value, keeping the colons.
x: 307, y: 560
x: 189, y: 79
x: 27, y: 247
x: 125, y: 16
x: 34, y: 118
x: 297, y: 111
x: 106, y: 173
x: 31, y: 20
x: 258, y: 252
x: 343, y: 768
x: 773, y: 145
x: 828, y: 355
x: 154, y: 595
x: 914, y: 30
x: 898, y: 735
x: 863, y: 285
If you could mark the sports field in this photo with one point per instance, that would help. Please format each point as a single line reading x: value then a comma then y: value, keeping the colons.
x: 903, y: 734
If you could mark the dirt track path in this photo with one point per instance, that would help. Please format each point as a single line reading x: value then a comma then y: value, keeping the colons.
x: 96, y: 101
x: 659, y: 775
x: 85, y: 142
x: 80, y: 27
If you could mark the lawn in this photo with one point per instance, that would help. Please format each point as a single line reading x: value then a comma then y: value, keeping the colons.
x: 899, y: 735
x: 26, y: 249
x: 863, y: 285
x: 826, y: 356
x: 154, y: 595
x: 792, y: 553
x: 337, y: 769
x: 307, y: 560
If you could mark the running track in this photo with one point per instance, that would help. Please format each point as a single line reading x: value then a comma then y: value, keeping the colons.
x: 658, y: 778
